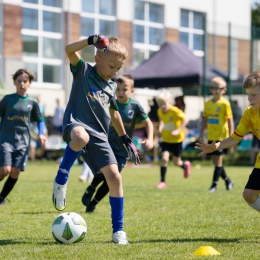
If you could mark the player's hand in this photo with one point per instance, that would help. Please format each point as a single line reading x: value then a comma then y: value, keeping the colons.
x: 101, y: 42
x: 42, y: 140
x: 175, y: 132
x: 131, y: 149
x: 148, y: 144
x: 205, y: 148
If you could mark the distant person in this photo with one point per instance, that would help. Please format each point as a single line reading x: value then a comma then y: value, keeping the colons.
x: 58, y: 117
x: 172, y: 122
x: 179, y: 102
x: 249, y: 123
x: 218, y: 120
x: 16, y: 111
x: 237, y: 112
x: 131, y: 112
x: 86, y: 174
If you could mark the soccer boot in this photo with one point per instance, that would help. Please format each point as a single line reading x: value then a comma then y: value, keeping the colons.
x: 212, y: 189
x: 90, y: 208
x: 229, y: 185
x: 119, y: 237
x: 161, y: 185
x: 186, y: 172
x: 59, y: 196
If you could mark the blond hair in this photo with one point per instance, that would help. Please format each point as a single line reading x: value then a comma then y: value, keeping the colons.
x: 125, y: 77
x: 164, y: 95
x: 115, y: 47
x: 253, y: 80
x: 219, y: 81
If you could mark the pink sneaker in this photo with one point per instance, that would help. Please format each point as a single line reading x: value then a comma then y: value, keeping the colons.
x: 186, y: 172
x: 161, y: 185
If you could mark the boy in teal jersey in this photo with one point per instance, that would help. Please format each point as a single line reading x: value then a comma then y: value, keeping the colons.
x: 131, y: 112
x: 16, y: 113
x: 90, y: 109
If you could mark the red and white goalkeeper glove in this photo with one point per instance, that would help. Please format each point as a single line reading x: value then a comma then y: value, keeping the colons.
x: 131, y: 149
x: 101, y: 42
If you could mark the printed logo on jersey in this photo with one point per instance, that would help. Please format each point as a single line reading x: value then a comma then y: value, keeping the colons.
x: 29, y: 107
x: 16, y: 117
x: 97, y: 95
x: 130, y: 113
x: 218, y: 109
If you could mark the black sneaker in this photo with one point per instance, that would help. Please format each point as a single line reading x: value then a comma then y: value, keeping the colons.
x: 86, y: 198
x: 3, y: 201
x: 229, y: 185
x: 90, y: 208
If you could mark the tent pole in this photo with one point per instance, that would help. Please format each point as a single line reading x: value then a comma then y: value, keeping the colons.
x: 204, y: 57
x: 229, y: 86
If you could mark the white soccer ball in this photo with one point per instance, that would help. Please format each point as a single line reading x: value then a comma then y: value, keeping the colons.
x: 68, y: 228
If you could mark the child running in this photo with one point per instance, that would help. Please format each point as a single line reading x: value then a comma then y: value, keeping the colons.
x: 249, y: 123
x: 16, y: 113
x: 86, y: 121
x: 131, y: 112
x: 218, y: 120
x: 172, y: 122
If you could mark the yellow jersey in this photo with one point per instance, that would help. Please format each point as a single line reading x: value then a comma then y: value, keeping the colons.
x: 217, y: 114
x: 172, y: 119
x: 250, y: 122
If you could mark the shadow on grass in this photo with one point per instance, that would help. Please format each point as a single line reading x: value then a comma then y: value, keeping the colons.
x: 9, y: 242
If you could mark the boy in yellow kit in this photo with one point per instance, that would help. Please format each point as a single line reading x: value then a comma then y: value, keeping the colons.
x: 249, y: 123
x: 218, y: 120
x: 172, y: 122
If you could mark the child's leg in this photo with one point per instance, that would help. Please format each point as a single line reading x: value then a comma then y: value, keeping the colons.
x: 164, y: 163
x: 84, y: 172
x: 87, y: 196
x: 79, y: 139
x: 252, y: 198
x: 217, y: 161
x: 229, y: 183
x: 116, y: 199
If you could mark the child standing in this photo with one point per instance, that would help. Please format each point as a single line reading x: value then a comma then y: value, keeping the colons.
x: 16, y: 112
x: 131, y: 112
x: 218, y: 120
x: 90, y: 109
x: 172, y: 122
x: 249, y: 123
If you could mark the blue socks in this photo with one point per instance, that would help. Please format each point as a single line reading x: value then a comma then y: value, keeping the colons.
x: 68, y: 160
x: 117, y: 213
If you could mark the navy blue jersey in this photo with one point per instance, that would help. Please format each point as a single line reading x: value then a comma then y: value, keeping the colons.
x: 16, y: 114
x: 90, y: 100
x: 131, y: 112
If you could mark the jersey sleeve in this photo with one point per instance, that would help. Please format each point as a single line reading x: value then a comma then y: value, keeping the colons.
x: 75, y: 70
x: 179, y: 113
x: 229, y: 114
x: 113, y: 104
x: 205, y: 111
x: 141, y: 115
x: 2, y: 106
x: 242, y: 128
x: 36, y: 114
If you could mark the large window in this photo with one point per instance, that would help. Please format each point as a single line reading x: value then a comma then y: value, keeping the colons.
x: 192, y: 31
x: 148, y: 30
x: 98, y: 16
x: 42, y: 38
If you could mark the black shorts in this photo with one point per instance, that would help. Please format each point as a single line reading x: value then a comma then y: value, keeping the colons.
x: 174, y: 148
x: 253, y: 182
x: 219, y: 152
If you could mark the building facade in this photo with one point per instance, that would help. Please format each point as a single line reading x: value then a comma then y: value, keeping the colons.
x: 34, y: 33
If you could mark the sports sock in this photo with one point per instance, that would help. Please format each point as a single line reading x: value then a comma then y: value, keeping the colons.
x: 102, y: 191
x: 184, y: 166
x: 256, y: 204
x: 94, y: 202
x: 224, y: 175
x: 97, y: 180
x: 163, y: 173
x: 68, y: 159
x: 8, y: 186
x: 117, y: 213
x: 216, y: 175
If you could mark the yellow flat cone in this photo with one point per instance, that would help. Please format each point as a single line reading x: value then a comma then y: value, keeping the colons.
x: 206, y: 250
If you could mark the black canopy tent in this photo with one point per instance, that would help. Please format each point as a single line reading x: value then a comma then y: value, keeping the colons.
x: 175, y: 65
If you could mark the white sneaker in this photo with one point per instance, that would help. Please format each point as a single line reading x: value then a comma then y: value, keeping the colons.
x: 59, y: 196
x: 119, y: 237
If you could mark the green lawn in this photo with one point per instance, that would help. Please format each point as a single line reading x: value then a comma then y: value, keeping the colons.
x: 160, y: 224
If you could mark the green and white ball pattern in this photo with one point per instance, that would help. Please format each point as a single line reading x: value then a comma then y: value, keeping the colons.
x: 68, y: 228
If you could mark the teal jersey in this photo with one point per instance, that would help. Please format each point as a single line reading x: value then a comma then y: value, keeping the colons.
x: 90, y: 100
x: 16, y: 114
x: 131, y: 113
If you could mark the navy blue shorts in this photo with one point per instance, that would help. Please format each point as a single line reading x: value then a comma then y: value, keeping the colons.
x: 174, y: 148
x: 253, y: 182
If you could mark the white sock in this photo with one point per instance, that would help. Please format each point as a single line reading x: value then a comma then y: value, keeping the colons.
x: 256, y: 204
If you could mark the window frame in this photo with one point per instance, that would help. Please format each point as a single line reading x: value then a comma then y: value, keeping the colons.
x: 40, y: 60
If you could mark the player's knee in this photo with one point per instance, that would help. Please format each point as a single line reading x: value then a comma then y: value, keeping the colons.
x: 249, y: 196
x: 5, y: 170
x: 80, y: 137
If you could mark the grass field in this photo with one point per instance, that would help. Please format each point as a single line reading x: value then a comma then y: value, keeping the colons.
x: 160, y: 224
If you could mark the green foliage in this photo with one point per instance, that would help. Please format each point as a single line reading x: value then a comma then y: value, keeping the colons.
x: 160, y: 224
x: 255, y: 14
